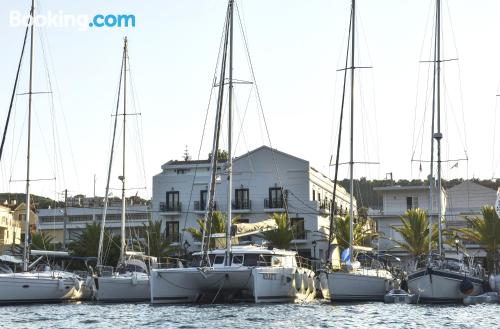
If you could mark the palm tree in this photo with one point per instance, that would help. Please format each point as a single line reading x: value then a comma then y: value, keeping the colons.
x: 42, y: 241
x: 281, y: 236
x: 484, y: 232
x: 156, y: 245
x: 87, y: 243
x: 362, y: 232
x: 415, y: 233
x: 216, y: 224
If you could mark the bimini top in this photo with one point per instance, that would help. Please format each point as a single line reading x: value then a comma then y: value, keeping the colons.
x: 250, y: 250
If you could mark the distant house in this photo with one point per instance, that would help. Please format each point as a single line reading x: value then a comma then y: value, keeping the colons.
x: 459, y: 202
x: 466, y: 200
x: 12, y: 219
x: 396, y: 201
x: 51, y: 221
x: 10, y: 228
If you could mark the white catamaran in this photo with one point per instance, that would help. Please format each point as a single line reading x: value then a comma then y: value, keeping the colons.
x: 250, y: 273
x: 352, y: 282
x: 35, y: 284
x: 441, y: 280
x: 130, y: 281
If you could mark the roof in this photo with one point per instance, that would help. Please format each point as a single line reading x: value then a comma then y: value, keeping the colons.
x: 267, y: 148
x: 401, y: 188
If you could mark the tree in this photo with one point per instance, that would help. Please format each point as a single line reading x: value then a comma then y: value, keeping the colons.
x: 362, y: 232
x: 87, y: 244
x: 156, y: 245
x: 484, y: 232
x: 283, y: 235
x: 222, y: 155
x: 215, y: 224
x: 415, y: 233
x: 42, y: 241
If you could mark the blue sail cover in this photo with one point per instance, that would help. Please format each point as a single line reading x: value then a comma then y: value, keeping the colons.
x: 344, y: 256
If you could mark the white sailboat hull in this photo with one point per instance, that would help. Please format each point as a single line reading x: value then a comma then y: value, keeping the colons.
x: 133, y: 287
x: 37, y: 288
x: 354, y: 286
x: 257, y: 284
x: 441, y: 286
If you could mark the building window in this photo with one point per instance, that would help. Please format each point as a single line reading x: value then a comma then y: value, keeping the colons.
x: 172, y: 232
x: 242, y: 200
x: 314, y: 195
x: 173, y: 203
x: 275, y: 198
x: 298, y: 229
x: 411, y: 202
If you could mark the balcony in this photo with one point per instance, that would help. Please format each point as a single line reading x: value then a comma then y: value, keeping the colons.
x: 299, y: 235
x: 324, y: 206
x: 274, y: 204
x: 173, y: 238
x: 170, y: 208
x: 242, y: 205
x: 200, y: 206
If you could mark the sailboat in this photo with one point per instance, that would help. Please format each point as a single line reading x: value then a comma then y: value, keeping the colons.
x: 235, y: 273
x: 130, y: 281
x: 441, y: 280
x: 352, y: 282
x: 37, y: 282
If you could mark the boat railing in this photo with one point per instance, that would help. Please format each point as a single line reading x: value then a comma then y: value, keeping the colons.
x: 303, y: 262
x: 81, y: 274
x: 105, y: 271
x: 171, y: 262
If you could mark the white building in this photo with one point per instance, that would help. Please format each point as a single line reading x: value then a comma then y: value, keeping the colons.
x: 51, y: 221
x: 10, y: 228
x: 466, y: 200
x: 396, y: 200
x: 180, y: 191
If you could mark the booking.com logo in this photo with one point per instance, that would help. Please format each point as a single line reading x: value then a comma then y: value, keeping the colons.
x: 82, y: 22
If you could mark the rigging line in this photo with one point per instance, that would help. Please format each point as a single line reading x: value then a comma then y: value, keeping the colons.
x: 459, y: 77
x: 337, y: 157
x: 214, y: 80
x: 415, y: 141
x: 242, y: 120
x: 136, y: 106
x: 103, y: 220
x: 259, y: 106
x: 259, y: 100
x: 14, y: 88
x: 65, y: 124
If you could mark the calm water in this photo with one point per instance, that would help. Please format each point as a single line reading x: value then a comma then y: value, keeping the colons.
x: 314, y: 315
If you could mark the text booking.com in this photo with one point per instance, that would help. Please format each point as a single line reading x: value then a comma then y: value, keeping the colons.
x: 81, y: 22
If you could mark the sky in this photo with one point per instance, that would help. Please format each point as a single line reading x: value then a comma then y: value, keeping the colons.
x: 296, y: 48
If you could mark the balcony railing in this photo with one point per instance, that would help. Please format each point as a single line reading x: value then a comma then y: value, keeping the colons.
x: 173, y: 237
x: 242, y: 205
x: 274, y: 203
x: 200, y: 206
x: 170, y: 207
x: 299, y: 234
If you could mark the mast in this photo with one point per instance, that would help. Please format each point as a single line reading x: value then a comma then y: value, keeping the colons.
x: 205, y: 241
x: 229, y: 138
x: 335, y: 179
x: 110, y: 165
x: 351, y: 160
x: 122, y: 177
x: 28, y: 162
x: 438, y: 135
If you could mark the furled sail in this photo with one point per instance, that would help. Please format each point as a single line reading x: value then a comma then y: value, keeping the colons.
x: 244, y: 229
